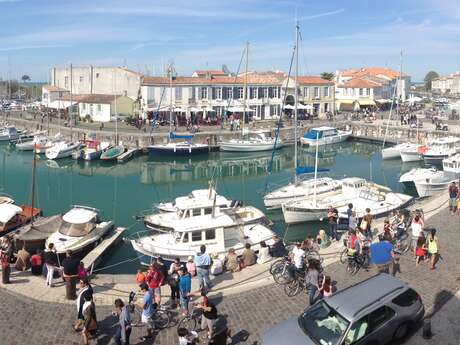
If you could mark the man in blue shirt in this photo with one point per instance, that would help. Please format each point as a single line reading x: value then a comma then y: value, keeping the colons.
x: 381, y: 254
x: 185, y: 287
x: 203, y: 263
x: 148, y: 309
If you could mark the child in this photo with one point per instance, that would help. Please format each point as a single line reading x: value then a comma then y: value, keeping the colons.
x: 191, y: 268
x: 420, y: 251
x: 140, y: 277
x: 82, y: 271
x: 387, y: 230
x: 186, y: 337
x: 326, y: 287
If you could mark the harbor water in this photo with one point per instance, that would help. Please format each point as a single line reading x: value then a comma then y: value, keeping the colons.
x: 123, y: 191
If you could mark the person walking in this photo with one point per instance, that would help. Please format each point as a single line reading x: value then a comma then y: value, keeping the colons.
x: 185, y: 287
x: 333, y: 215
x: 203, y: 263
x: 148, y: 310
x: 173, y: 282
x: 312, y: 278
x: 417, y: 231
x: 90, y: 327
x: 209, y: 317
x: 277, y: 249
x: 433, y: 248
x: 366, y: 223
x: 453, y: 195
x: 86, y: 291
x: 155, y: 279
x: 51, y: 260
x: 124, y: 323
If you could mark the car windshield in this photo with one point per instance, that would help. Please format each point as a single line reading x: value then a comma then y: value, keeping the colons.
x: 75, y: 230
x: 323, y: 324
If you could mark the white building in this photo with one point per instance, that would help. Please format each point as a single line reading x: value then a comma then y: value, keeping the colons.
x: 449, y: 84
x: 97, y: 80
x: 102, y: 108
x: 52, y: 97
x: 212, y: 95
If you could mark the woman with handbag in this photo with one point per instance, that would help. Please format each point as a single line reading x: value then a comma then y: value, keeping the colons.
x: 90, y: 326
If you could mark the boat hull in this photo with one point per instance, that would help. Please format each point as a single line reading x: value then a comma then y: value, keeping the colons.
x: 293, y: 215
x: 112, y: 154
x: 237, y: 147
x: 434, y: 159
x: 160, y: 150
x: 327, y: 140
x: 391, y: 153
x: 410, y: 156
x: 63, y: 153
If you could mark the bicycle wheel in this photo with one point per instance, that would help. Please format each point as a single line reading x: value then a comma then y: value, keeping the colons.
x: 188, y: 323
x: 276, y: 263
x: 161, y: 319
x: 282, y: 274
x: 344, y: 256
x: 352, y: 267
x: 404, y: 244
x: 292, y: 288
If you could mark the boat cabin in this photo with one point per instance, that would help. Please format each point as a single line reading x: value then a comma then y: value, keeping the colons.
x: 452, y: 164
x: 13, y: 216
x: 352, y: 184
x: 79, y: 222
x: 321, y: 132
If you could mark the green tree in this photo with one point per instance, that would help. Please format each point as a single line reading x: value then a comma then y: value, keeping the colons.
x: 25, y: 78
x: 429, y: 78
x: 327, y: 75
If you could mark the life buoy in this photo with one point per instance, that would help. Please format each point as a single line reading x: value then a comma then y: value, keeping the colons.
x: 422, y: 149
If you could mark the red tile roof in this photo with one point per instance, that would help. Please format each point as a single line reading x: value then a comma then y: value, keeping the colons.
x: 211, y: 72
x: 313, y: 80
x: 373, y: 71
x: 360, y: 83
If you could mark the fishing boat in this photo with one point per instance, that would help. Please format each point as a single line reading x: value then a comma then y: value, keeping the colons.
x: 219, y: 231
x: 440, y: 149
x: 93, y: 150
x: 413, y: 153
x: 62, y: 149
x: 9, y: 133
x: 34, y: 235
x: 198, y: 199
x: 255, y: 142
x: 452, y: 164
x: 14, y: 216
x: 434, y: 185
x: 112, y: 153
x: 415, y: 174
x: 324, y: 136
x: 394, y: 152
x: 81, y: 229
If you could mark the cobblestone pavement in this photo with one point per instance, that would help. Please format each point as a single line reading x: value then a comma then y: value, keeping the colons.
x: 249, y: 314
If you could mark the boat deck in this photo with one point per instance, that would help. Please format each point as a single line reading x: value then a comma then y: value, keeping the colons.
x: 94, y: 256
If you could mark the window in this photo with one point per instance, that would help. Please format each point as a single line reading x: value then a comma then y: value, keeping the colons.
x: 316, y: 92
x: 240, y: 93
x: 210, y: 234
x: 369, y: 92
x: 66, y: 82
x: 379, y: 316
x: 265, y: 92
x: 352, y: 92
x: 196, y: 236
x: 196, y: 212
x: 185, y: 237
x: 81, y: 79
x: 326, y: 107
x: 361, y: 92
x: 218, y: 93
x: 345, y: 92
x: 326, y: 91
x: 83, y: 106
x: 253, y: 92
x: 209, y: 210
x: 276, y: 92
x: 204, y: 93
x: 406, y: 299
x: 178, y: 93
x: 97, y: 75
x: 230, y: 93
x: 305, y: 92
x: 99, y: 107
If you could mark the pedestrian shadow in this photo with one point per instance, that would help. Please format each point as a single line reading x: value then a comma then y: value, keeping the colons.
x: 107, y: 328
x: 440, y: 299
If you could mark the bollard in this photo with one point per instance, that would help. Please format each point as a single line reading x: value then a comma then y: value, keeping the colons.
x: 426, y: 331
x: 5, y: 273
x: 70, y: 287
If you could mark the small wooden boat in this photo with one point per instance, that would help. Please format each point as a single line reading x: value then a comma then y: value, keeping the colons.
x: 113, y: 153
x: 34, y: 234
x: 13, y: 216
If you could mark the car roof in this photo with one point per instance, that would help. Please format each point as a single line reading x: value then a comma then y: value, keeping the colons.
x: 352, y: 301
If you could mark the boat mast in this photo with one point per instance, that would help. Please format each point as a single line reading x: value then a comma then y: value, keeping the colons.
x: 170, y: 98
x: 115, y: 107
x: 70, y: 107
x: 392, y: 103
x: 296, y: 97
x: 316, y: 167
x: 34, y: 165
x: 245, y: 88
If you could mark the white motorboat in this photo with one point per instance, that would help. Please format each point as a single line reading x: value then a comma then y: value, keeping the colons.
x: 81, y: 229
x: 219, y: 232
x: 381, y: 202
x: 440, y: 149
x: 412, y: 154
x: 9, y: 133
x: 185, y: 148
x: 93, y: 150
x: 253, y: 143
x: 38, y: 141
x: 311, y: 210
x: 40, y: 148
x: 325, y: 135
x: 415, y: 174
x: 452, y: 164
x: 299, y: 190
x: 62, y: 149
x: 198, y: 199
x: 434, y: 185
x: 394, y: 152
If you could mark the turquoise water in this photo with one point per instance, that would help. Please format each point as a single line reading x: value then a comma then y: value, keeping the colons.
x: 123, y: 191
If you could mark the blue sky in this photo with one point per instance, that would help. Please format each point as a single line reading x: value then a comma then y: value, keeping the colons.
x: 147, y: 34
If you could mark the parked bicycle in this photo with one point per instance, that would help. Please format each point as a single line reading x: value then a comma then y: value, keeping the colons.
x: 356, y: 260
x: 298, y: 281
x: 191, y: 320
x: 160, y: 319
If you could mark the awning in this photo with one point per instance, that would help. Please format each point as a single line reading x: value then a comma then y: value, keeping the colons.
x: 382, y: 100
x: 239, y: 109
x: 346, y: 101
x: 366, y: 102
x: 288, y: 106
x: 306, y: 107
x: 179, y: 110
x: 195, y: 110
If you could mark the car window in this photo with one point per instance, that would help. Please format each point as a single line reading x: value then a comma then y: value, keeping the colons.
x: 357, y: 331
x: 380, y: 316
x: 406, y: 299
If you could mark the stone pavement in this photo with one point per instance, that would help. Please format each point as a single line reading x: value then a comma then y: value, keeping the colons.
x: 248, y: 314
